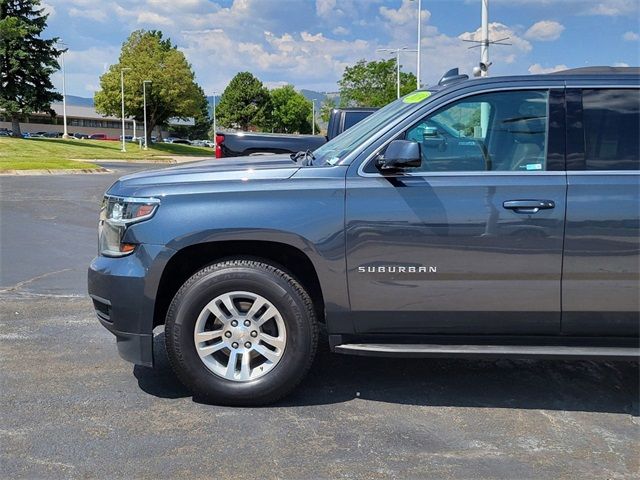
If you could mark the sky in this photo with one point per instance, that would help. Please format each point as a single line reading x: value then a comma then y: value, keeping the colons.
x: 308, y: 43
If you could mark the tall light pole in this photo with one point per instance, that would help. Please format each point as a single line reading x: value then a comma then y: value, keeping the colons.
x: 419, y: 42
x: 65, y: 133
x: 397, y: 52
x: 215, y: 126
x: 313, y: 116
x: 144, y: 102
x: 484, y: 46
x: 482, y: 69
x: 122, y: 70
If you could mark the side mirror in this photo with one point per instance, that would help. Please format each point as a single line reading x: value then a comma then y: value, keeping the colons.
x: 400, y: 154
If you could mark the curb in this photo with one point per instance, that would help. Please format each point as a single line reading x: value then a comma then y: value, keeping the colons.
x: 159, y: 161
x: 74, y: 171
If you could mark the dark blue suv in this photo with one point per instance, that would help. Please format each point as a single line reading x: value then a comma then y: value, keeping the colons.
x: 481, y: 217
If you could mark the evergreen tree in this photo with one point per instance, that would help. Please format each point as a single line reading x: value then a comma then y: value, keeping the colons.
x: 26, y: 61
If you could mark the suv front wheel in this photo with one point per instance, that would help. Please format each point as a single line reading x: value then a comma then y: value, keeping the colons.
x: 241, y: 332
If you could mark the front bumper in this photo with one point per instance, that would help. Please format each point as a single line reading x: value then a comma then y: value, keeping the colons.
x: 123, y: 291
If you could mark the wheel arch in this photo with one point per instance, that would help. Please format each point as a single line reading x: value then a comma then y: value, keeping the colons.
x: 188, y: 260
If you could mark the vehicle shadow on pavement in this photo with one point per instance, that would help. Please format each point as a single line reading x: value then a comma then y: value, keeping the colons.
x: 587, y: 386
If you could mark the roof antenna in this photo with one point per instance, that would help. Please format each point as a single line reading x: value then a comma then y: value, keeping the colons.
x: 482, y: 70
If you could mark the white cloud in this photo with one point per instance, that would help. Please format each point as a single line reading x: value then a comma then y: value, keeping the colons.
x: 544, y: 31
x: 631, y: 36
x: 610, y: 8
x: 91, y: 14
x: 152, y: 18
x: 536, y: 68
x: 307, y: 44
x: 620, y: 64
x: 309, y: 58
x: 613, y: 8
x: 340, y: 31
x: 48, y: 9
x: 499, y: 31
x: 325, y: 8
x: 408, y: 12
x: 84, y: 67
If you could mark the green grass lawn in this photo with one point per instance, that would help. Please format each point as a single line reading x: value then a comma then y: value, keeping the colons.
x: 53, y: 153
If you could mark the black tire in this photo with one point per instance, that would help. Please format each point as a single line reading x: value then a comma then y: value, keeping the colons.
x: 272, y: 283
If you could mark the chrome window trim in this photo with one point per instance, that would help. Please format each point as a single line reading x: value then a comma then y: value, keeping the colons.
x: 603, y: 172
x: 594, y: 86
x: 365, y: 162
x: 466, y: 174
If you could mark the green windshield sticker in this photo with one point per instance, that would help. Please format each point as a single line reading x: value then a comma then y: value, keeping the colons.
x: 416, y: 97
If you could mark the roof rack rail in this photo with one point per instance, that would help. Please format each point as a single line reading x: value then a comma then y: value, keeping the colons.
x: 598, y: 70
x: 452, y: 76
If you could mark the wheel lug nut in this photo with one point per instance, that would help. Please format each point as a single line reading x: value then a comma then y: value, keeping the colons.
x: 227, y: 334
x: 247, y: 323
x: 247, y: 345
x: 254, y: 334
x: 234, y: 344
x: 234, y: 323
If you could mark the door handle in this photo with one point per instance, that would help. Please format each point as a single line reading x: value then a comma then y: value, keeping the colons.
x: 528, y: 206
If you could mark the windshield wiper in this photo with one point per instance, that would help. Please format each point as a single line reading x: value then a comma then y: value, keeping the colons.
x: 305, y: 157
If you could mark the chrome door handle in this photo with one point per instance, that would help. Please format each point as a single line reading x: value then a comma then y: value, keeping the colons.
x: 528, y: 206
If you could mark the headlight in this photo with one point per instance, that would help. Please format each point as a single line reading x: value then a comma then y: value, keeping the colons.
x: 116, y: 215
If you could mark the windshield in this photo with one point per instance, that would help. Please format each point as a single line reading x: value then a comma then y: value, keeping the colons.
x: 332, y: 152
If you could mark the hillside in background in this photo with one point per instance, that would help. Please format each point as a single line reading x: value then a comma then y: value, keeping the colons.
x: 80, y: 101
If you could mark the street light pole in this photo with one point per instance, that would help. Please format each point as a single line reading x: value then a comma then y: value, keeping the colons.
x: 484, y: 46
x: 144, y: 102
x: 122, y: 70
x: 398, y: 72
x: 215, y: 126
x: 65, y: 133
x: 313, y: 116
x: 397, y: 52
x: 419, y: 42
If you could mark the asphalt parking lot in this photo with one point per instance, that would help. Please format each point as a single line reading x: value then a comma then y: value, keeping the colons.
x: 70, y: 408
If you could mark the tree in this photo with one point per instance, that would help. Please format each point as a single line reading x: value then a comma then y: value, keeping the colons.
x: 173, y: 92
x: 26, y: 61
x: 244, y: 103
x: 325, y: 109
x: 202, y: 123
x: 290, y: 111
x: 373, y: 84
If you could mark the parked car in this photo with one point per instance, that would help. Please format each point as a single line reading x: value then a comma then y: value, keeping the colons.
x: 493, y: 217
x: 176, y: 140
x: 81, y: 136
x: 236, y: 144
x: 5, y: 132
x: 202, y: 143
x: 98, y: 136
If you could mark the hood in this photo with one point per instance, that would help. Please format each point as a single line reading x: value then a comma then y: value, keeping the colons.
x: 244, y: 169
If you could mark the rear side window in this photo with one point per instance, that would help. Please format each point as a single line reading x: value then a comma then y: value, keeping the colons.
x: 611, y: 121
x: 351, y: 118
